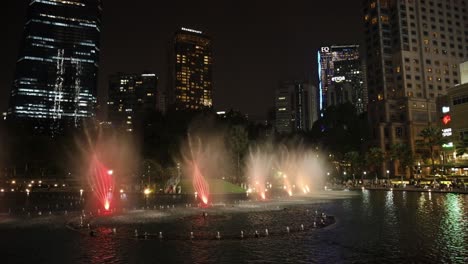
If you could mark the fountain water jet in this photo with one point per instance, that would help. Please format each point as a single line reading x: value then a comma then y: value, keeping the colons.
x: 102, y: 182
x: 200, y: 185
x: 258, y: 169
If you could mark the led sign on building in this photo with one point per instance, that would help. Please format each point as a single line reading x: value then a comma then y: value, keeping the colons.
x: 448, y: 145
x: 446, y: 132
x: 338, y: 79
x: 446, y: 119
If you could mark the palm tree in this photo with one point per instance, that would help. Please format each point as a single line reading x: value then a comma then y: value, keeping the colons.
x: 352, y: 158
x: 404, y: 155
x: 374, y: 158
x: 432, y: 139
x: 461, y: 147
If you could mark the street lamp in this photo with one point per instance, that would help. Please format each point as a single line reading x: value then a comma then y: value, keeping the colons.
x: 388, y: 175
x: 178, y: 170
x: 147, y: 192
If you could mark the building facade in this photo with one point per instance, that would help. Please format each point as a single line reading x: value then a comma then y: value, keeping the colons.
x: 413, y: 51
x: 131, y: 98
x: 341, y: 77
x: 295, y: 106
x: 191, y: 70
x: 55, y: 83
x: 453, y: 112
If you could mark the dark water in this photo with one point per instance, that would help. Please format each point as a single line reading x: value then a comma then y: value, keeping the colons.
x: 371, y: 227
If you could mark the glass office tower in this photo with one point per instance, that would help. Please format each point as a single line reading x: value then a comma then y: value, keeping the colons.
x: 55, y: 83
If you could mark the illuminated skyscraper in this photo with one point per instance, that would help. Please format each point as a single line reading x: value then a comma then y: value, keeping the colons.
x: 191, y: 69
x: 131, y: 97
x: 341, y: 77
x: 295, y: 107
x: 56, y: 72
x: 414, y: 49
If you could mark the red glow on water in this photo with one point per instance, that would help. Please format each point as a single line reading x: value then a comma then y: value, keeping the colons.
x: 102, y: 183
x: 200, y: 184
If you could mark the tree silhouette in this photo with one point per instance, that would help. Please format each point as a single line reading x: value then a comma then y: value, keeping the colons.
x: 403, y: 154
x: 432, y: 139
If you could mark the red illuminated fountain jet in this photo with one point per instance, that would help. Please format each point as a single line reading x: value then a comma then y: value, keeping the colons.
x: 102, y: 182
x: 200, y: 185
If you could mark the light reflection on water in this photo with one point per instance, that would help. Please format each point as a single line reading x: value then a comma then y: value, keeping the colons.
x: 375, y: 226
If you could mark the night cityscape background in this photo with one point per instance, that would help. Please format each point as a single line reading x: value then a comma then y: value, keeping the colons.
x: 251, y: 43
x: 234, y: 131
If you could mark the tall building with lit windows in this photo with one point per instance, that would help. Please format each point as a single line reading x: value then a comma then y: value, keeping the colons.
x: 131, y: 98
x: 295, y: 106
x: 341, y: 77
x: 56, y: 72
x: 413, y: 49
x: 191, y: 70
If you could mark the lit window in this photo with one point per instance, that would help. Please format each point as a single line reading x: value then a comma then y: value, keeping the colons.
x: 384, y: 19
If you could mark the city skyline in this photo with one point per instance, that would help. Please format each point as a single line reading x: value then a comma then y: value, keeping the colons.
x: 251, y: 55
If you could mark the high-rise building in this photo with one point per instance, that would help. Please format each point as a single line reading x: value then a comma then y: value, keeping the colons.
x: 413, y: 51
x: 131, y: 98
x: 295, y: 106
x: 341, y: 77
x: 191, y: 70
x: 55, y: 82
x: 464, y: 72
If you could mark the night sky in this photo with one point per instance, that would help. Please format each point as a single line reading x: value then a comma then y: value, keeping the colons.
x: 256, y: 43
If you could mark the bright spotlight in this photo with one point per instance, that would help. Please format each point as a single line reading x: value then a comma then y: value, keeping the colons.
x: 107, y: 205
